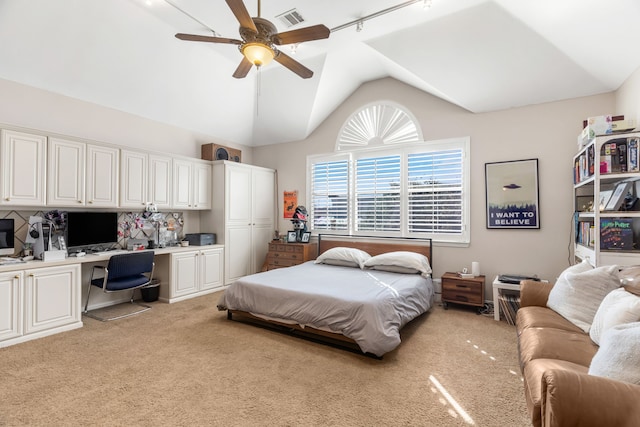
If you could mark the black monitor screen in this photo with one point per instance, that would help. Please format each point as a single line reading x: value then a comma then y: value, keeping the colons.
x: 91, y: 228
x: 6, y: 236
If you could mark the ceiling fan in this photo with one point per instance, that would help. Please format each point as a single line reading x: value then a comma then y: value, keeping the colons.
x: 259, y: 41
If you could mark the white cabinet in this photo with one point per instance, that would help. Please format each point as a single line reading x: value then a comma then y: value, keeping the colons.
x: 242, y: 215
x: 23, y: 160
x: 10, y: 305
x: 160, y: 181
x: 102, y: 176
x: 192, y: 184
x: 82, y: 174
x: 134, y: 171
x: 194, y: 273
x: 38, y: 302
x: 66, y: 172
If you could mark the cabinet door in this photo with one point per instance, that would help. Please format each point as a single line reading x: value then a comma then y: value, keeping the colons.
x: 239, y: 253
x: 66, y: 173
x: 263, y: 200
x: 10, y: 305
x: 182, y: 188
x: 238, y: 194
x: 160, y: 173
x: 23, y: 168
x: 211, y: 267
x: 102, y: 176
x: 52, y: 297
x: 184, y: 273
x: 202, y: 173
x: 261, y: 235
x: 133, y: 179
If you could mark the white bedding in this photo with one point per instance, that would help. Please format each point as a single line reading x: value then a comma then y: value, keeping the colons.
x: 367, y: 306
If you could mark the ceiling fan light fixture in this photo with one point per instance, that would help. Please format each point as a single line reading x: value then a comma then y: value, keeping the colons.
x: 258, y: 54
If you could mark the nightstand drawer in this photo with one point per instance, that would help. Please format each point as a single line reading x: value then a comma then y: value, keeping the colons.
x: 462, y: 291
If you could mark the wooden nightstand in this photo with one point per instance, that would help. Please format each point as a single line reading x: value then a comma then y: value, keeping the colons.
x: 457, y: 290
x: 288, y: 254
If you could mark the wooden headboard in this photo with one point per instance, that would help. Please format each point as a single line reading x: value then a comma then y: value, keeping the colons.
x: 376, y: 245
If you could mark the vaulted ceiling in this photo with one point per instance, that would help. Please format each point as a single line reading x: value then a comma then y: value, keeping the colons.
x: 483, y: 55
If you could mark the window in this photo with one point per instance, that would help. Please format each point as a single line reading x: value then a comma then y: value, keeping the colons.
x: 409, y: 190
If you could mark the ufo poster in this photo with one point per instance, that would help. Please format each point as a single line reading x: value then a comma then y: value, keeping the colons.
x: 512, y: 194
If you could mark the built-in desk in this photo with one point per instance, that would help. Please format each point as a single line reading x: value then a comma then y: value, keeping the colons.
x: 40, y: 298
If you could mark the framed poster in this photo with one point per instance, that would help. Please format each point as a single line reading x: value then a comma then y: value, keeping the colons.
x: 290, y: 202
x: 512, y: 194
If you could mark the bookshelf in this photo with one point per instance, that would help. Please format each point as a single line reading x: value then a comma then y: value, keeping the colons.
x: 606, y: 180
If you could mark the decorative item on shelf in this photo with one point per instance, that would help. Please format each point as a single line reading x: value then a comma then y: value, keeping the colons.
x: 299, y: 221
x: 617, y: 198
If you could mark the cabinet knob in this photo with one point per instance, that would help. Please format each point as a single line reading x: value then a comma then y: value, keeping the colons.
x: 7, y: 199
x: 16, y: 277
x: 79, y: 201
x: 90, y: 201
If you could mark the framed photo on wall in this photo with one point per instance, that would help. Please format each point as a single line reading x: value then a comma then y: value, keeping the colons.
x: 512, y: 194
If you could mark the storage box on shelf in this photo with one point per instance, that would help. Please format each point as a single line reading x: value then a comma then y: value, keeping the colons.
x: 606, y: 187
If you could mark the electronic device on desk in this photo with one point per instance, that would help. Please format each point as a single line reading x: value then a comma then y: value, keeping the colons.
x: 7, y: 236
x: 515, y: 278
x: 201, y: 239
x: 90, y: 229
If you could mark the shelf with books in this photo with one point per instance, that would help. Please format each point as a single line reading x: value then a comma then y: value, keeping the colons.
x: 607, y: 211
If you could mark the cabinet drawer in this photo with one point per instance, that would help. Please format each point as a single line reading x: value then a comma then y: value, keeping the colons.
x: 286, y: 255
x: 462, y: 292
x: 277, y: 247
x: 292, y: 248
x: 277, y: 263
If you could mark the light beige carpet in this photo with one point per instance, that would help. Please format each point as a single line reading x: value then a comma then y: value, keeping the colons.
x: 185, y: 364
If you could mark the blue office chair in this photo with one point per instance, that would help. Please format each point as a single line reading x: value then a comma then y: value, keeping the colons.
x: 125, y: 272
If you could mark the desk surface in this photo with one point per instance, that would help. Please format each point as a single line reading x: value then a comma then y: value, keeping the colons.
x: 96, y: 258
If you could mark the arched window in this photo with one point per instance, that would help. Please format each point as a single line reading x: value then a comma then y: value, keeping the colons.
x: 376, y: 124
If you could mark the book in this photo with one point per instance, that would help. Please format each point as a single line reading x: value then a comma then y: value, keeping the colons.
x: 632, y: 155
x: 622, y: 156
x: 616, y: 234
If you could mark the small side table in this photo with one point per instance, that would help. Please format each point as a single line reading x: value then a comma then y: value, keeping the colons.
x: 497, y: 285
x: 457, y: 290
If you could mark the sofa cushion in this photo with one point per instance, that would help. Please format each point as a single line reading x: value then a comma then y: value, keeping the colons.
x: 617, y: 308
x: 532, y: 376
x: 542, y: 317
x: 577, y: 296
x: 619, y: 354
x: 551, y: 343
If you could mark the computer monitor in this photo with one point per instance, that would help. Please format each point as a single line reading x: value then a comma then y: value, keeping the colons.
x: 91, y: 229
x: 7, y: 236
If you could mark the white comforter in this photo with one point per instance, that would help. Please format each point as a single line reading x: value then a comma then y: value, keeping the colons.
x: 367, y: 306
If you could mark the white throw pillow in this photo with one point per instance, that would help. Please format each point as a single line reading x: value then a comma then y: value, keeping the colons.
x: 342, y: 256
x: 577, y: 296
x: 617, y: 308
x: 408, y: 261
x: 618, y: 357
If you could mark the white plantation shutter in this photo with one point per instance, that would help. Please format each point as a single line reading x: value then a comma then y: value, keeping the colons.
x: 329, y: 195
x: 409, y: 190
x: 435, y: 189
x: 377, y: 193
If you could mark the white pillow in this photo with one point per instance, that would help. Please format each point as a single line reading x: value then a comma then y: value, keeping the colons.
x: 345, y: 257
x: 618, y: 307
x: 577, y: 268
x: 577, y: 296
x: 400, y: 261
x: 619, y: 354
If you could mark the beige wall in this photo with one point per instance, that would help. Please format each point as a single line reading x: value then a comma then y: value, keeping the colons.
x: 547, y: 132
x: 47, y: 112
x: 628, y: 97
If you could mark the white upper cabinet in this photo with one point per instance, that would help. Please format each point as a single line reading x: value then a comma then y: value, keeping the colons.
x: 102, y: 176
x: 66, y: 173
x: 160, y: 181
x: 22, y: 156
x: 134, y: 172
x: 192, y: 184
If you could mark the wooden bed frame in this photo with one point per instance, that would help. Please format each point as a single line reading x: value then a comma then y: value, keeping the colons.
x: 373, y: 246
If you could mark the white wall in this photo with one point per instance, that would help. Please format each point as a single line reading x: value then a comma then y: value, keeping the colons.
x: 547, y: 132
x: 628, y: 97
x: 32, y: 108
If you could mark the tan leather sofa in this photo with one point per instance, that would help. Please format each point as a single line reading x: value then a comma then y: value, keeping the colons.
x: 554, y: 359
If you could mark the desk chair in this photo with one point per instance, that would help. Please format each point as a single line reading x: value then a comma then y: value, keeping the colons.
x: 125, y: 272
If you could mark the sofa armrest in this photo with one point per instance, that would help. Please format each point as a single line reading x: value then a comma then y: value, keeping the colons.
x: 572, y: 398
x: 534, y: 293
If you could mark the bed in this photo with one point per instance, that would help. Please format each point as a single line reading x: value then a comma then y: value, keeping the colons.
x: 357, y: 294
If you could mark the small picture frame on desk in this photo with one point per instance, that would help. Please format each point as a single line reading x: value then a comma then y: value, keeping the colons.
x: 306, y: 236
x: 291, y: 237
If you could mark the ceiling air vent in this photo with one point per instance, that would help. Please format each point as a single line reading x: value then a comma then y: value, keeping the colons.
x: 290, y: 18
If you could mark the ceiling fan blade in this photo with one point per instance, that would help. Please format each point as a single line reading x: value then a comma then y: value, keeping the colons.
x: 315, y: 32
x: 293, y: 65
x: 243, y: 69
x: 196, y: 38
x: 242, y: 15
